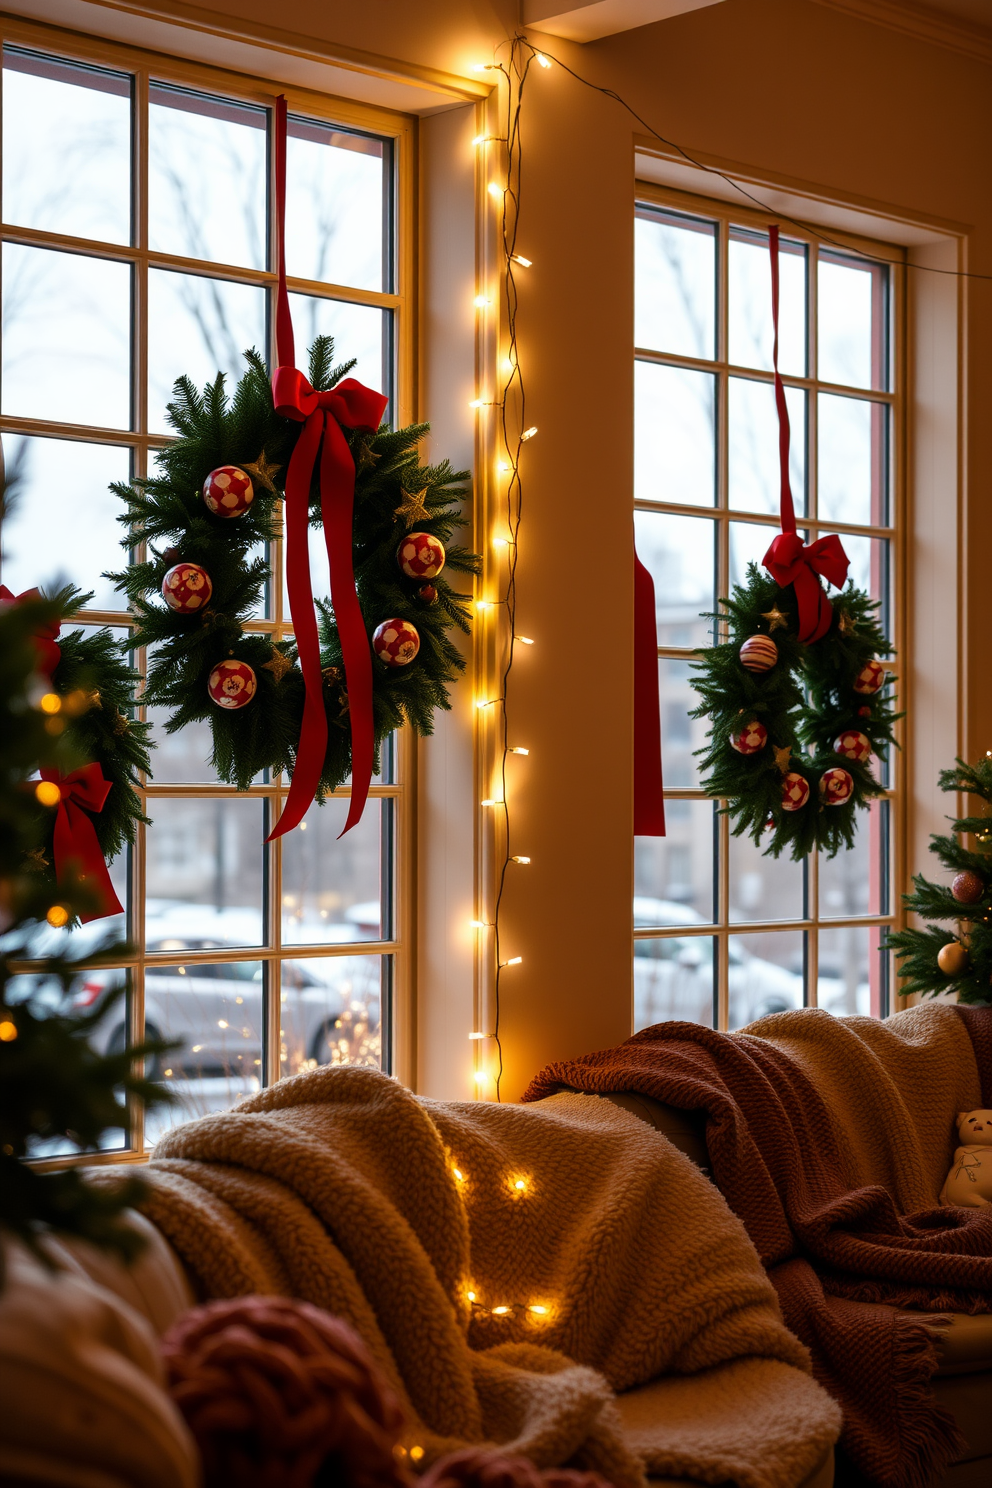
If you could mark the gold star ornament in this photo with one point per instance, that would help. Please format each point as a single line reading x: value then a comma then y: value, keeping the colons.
x: 776, y: 620
x: 366, y: 455
x: 278, y: 665
x: 783, y: 758
x: 412, y: 508
x: 262, y: 470
x: 845, y: 623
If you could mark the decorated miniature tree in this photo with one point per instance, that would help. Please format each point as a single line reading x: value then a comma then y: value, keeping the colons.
x: 939, y: 959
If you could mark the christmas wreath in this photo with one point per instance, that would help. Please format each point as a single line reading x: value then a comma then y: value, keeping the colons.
x: 794, y: 725
x: 206, y: 517
x: 89, y: 811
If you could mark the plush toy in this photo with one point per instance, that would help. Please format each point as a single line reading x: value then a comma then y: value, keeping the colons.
x: 969, y: 1183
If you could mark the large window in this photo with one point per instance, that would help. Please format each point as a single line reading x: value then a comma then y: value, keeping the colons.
x: 722, y: 933
x: 137, y: 245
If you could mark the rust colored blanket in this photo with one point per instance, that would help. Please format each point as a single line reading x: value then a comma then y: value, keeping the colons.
x: 830, y: 1137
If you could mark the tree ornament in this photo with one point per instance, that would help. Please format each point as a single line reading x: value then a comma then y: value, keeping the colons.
x: 795, y: 792
x: 836, y: 787
x: 783, y: 758
x: 411, y: 509
x: 232, y: 684
x: 228, y: 491
x: 263, y: 470
x: 187, y: 588
x: 396, y: 642
x: 967, y: 887
x: 427, y: 594
x: 278, y: 664
x: 853, y: 745
x: 421, y: 556
x: 751, y: 739
x: 776, y: 620
x: 870, y: 677
x: 759, y: 653
x: 864, y: 711
x: 952, y: 958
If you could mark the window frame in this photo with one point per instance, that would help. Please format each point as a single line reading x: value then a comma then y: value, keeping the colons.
x: 727, y: 216
x: 398, y: 950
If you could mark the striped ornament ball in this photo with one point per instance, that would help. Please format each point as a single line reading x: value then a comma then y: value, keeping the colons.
x: 759, y: 653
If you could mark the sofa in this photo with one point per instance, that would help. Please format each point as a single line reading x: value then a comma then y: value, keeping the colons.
x: 963, y: 1384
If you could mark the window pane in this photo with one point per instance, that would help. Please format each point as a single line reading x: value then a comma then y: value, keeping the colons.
x: 330, y: 888
x: 215, y: 1014
x: 673, y: 978
x: 852, y: 460
x: 753, y: 457
x: 184, y: 757
x: 843, y: 984
x: 331, y: 1012
x: 674, y: 448
x: 204, y: 872
x: 358, y: 330
x: 66, y: 337
x: 855, y: 881
x: 335, y: 184
x: 679, y: 553
x: 851, y: 326
x: 681, y: 735
x: 765, y: 975
x: 60, y: 524
x: 763, y: 888
x: 750, y: 303
x: 196, y: 328
x: 66, y: 148
x: 749, y: 542
x: 673, y: 875
x: 675, y: 304
x: 206, y: 178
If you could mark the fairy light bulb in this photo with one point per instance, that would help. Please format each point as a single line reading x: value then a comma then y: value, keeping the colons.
x: 57, y: 916
x: 501, y: 542
x: 477, y: 1035
x: 500, y: 1311
x: 47, y: 793
x: 481, y: 301
x: 496, y: 190
x: 470, y: 1296
x: 520, y: 1186
x: 477, y: 403
x: 538, y: 1309
x: 481, y: 1077
x: 520, y: 860
x: 489, y: 801
x: 478, y: 925
x: 50, y: 703
x: 542, y: 60
x: 516, y: 749
x: 513, y: 961
x: 528, y: 433
x: 524, y: 640
x: 459, y: 1175
x: 502, y: 466
x: 518, y: 258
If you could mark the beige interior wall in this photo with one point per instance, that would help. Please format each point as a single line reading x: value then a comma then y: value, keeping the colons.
x: 793, y: 89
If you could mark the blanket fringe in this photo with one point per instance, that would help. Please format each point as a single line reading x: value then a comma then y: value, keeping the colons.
x: 930, y: 1436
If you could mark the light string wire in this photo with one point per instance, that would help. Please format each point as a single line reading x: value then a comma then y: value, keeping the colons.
x: 512, y: 405
x: 712, y: 170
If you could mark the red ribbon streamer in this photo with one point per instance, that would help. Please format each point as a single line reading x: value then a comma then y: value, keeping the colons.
x: 649, y: 801
x: 354, y: 406
x: 49, y: 654
x: 789, y: 560
x: 84, y: 792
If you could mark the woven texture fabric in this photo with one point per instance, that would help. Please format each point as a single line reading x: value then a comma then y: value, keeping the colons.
x: 339, y: 1187
x: 830, y: 1138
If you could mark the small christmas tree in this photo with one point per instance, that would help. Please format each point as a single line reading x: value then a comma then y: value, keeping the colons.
x: 935, y: 959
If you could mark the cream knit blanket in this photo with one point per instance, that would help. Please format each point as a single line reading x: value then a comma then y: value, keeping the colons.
x: 509, y: 1267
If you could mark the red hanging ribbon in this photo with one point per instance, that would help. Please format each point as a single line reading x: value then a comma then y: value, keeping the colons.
x: 649, y: 801
x: 76, y: 848
x: 789, y: 560
x: 322, y: 414
x: 49, y: 654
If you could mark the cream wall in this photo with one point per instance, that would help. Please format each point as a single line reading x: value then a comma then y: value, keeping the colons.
x: 791, y: 89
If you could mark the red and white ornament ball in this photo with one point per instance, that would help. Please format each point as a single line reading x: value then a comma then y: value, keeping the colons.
x: 759, y: 653
x: 795, y: 791
x: 187, y: 588
x: 396, y: 642
x: 421, y: 556
x: 751, y: 739
x: 870, y: 677
x: 232, y: 684
x: 836, y: 786
x: 853, y: 745
x: 228, y: 491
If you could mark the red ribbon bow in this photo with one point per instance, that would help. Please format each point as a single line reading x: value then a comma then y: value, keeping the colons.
x: 322, y: 414
x: 49, y: 655
x: 356, y: 407
x: 789, y: 560
x: 84, y: 793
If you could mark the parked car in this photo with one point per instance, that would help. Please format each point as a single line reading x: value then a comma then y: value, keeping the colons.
x: 673, y: 975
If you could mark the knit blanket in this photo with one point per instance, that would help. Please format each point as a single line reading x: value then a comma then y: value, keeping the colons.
x: 509, y: 1268
x: 830, y: 1138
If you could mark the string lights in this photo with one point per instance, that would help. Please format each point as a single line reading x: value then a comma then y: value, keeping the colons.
x: 514, y: 431
x: 520, y: 1188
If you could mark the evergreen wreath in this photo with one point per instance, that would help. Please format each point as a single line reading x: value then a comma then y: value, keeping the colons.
x: 94, y: 720
x: 395, y: 497
x: 793, y: 726
x: 935, y: 959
